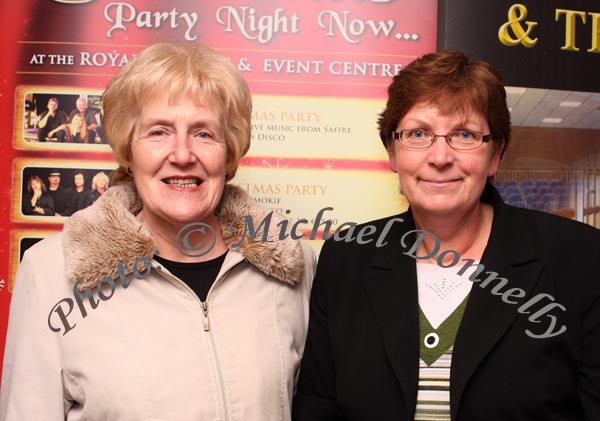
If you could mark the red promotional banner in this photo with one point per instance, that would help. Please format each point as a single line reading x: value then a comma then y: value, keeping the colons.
x: 281, y: 47
x: 318, y: 71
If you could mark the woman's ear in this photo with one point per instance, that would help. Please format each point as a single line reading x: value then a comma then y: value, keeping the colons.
x: 501, y: 147
x: 496, y: 155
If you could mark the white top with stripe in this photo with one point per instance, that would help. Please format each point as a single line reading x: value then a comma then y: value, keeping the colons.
x: 441, y: 290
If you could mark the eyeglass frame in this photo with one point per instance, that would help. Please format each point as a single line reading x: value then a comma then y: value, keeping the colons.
x: 397, y: 135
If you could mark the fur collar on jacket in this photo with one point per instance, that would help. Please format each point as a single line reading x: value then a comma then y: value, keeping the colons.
x: 97, y: 238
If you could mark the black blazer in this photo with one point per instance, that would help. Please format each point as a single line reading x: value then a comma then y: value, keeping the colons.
x: 45, y: 202
x: 362, y: 350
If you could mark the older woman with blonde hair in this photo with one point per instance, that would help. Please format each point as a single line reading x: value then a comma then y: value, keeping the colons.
x: 143, y: 308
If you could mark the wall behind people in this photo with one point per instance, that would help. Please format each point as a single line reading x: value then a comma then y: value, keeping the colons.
x: 548, y: 54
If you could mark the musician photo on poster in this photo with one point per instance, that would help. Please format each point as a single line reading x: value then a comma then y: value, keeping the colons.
x: 58, y: 117
x: 60, y: 192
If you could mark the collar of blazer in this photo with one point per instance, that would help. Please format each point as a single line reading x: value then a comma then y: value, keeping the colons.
x: 394, y: 297
x: 99, y: 237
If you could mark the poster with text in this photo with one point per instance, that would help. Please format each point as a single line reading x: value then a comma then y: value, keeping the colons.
x: 318, y: 71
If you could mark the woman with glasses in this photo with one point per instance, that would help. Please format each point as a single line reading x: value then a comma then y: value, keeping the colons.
x: 471, y: 309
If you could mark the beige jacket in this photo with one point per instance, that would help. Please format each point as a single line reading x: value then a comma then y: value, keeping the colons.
x: 149, y: 351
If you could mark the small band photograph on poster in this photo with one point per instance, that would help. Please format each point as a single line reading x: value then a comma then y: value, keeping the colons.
x: 21, y: 240
x: 47, y: 191
x: 59, y: 118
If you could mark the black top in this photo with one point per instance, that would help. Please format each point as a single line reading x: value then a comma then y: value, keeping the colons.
x: 95, y: 195
x: 60, y: 117
x: 80, y: 199
x: 62, y: 201
x: 45, y: 202
x: 198, y: 276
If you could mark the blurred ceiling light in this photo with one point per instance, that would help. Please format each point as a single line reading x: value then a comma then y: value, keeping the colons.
x: 571, y: 104
x: 515, y: 90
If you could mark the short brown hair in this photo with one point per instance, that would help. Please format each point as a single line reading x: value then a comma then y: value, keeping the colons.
x: 179, y: 69
x: 454, y: 83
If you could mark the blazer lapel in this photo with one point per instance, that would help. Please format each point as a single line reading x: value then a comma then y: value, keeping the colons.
x: 391, y: 289
x: 511, y: 254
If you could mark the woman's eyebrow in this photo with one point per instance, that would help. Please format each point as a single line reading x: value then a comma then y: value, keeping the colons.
x: 211, y: 123
x: 199, y: 122
x: 457, y: 126
x: 415, y: 120
x: 154, y: 121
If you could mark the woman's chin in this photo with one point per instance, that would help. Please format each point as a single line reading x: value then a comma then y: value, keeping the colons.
x: 438, y: 206
x: 189, y: 217
x: 179, y: 216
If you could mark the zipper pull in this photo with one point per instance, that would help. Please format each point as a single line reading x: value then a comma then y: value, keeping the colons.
x: 204, y: 306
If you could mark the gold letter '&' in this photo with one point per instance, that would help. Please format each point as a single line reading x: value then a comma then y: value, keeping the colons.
x: 516, y: 14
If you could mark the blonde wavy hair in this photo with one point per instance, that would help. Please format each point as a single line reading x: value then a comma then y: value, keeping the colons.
x: 190, y: 69
x: 97, y: 177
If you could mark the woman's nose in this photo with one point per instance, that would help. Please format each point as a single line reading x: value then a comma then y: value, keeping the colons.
x: 182, y: 153
x: 440, y: 152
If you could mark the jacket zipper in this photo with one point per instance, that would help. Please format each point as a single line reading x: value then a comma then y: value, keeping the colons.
x: 212, y: 343
x: 215, y: 356
x: 204, y: 306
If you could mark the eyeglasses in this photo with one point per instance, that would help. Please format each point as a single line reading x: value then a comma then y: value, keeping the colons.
x: 460, y: 140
